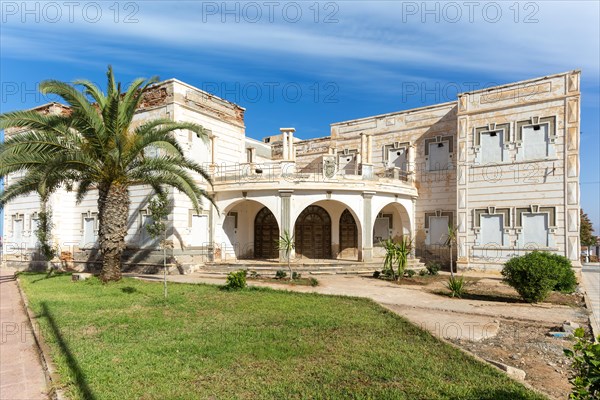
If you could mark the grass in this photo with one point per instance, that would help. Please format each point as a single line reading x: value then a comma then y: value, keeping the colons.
x: 124, y: 341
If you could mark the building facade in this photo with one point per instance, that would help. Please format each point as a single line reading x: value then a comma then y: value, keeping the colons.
x: 500, y: 164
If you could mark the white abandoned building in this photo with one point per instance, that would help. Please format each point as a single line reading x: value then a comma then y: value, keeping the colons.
x: 501, y: 164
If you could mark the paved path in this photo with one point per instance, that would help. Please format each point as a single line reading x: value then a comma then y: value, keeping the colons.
x: 450, y: 318
x: 21, y: 373
x: 590, y: 274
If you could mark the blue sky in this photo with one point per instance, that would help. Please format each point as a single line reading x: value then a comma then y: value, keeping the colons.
x: 309, y: 64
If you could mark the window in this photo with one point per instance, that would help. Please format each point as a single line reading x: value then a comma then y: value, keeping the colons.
x: 347, y: 162
x: 18, y: 223
x: 535, y: 226
x: 89, y: 229
x: 145, y: 238
x: 438, y: 230
x: 397, y: 158
x: 491, y: 226
x: 491, y: 230
x: 198, y: 224
x: 382, y: 228
x: 535, y: 229
x: 491, y: 143
x: 439, y: 156
x: 436, y: 227
x: 249, y: 155
x: 535, y: 138
x: 34, y: 224
x: 438, y: 153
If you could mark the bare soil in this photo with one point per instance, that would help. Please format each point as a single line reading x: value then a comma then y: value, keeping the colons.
x: 528, y: 347
x: 524, y: 345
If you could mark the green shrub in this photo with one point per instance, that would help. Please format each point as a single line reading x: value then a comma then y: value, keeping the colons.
x: 410, y: 273
x: 456, y: 284
x: 296, y: 275
x: 422, y: 272
x: 314, y: 282
x: 433, y: 267
x: 586, y: 367
x: 535, y: 274
x: 280, y: 274
x: 236, y: 280
x: 563, y: 273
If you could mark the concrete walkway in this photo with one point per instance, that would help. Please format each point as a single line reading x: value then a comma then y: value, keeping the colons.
x: 21, y: 372
x: 590, y: 274
x: 449, y: 318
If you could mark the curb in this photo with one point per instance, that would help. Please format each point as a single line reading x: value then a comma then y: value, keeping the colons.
x: 594, y: 323
x: 54, y: 393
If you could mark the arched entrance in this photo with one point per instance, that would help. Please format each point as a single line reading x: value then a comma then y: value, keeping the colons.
x: 348, y: 236
x: 313, y: 233
x: 266, y: 234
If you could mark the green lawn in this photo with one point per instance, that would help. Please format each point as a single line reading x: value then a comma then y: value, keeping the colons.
x: 123, y: 341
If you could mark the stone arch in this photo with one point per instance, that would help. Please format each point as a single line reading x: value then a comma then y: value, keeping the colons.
x: 391, y: 221
x: 312, y: 233
x: 234, y: 229
x: 348, y: 235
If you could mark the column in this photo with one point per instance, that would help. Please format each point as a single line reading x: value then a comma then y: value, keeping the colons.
x: 286, y: 149
x: 291, y: 152
x: 363, y: 149
x: 367, y: 228
x: 367, y: 165
x: 370, y: 149
x: 286, y: 217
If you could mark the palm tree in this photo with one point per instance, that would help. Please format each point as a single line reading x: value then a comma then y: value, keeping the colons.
x: 96, y: 143
x: 286, y: 244
x: 403, y: 249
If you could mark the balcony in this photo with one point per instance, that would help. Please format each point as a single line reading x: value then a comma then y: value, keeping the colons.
x: 322, y: 175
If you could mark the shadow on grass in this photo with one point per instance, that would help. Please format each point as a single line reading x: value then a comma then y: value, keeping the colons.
x: 51, y: 275
x: 72, y: 363
x: 129, y: 290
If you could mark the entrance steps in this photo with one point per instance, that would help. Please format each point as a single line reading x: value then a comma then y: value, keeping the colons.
x: 305, y: 267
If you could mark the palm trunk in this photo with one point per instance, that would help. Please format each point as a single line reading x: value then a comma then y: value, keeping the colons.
x: 113, y: 210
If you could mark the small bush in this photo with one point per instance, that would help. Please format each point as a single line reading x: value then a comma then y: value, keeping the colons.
x: 296, y: 275
x: 456, y: 286
x: 422, y: 272
x: 280, y: 274
x: 535, y: 274
x: 376, y: 274
x: 410, y: 273
x: 254, y: 275
x: 586, y: 367
x: 314, y: 282
x: 562, y: 271
x: 236, y: 280
x: 433, y: 267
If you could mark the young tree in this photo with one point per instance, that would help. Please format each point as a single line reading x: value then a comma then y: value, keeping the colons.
x: 286, y: 244
x: 96, y: 142
x: 451, y: 240
x: 158, y: 207
x: 586, y: 230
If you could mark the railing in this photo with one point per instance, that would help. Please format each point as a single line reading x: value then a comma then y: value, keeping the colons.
x: 289, y: 171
